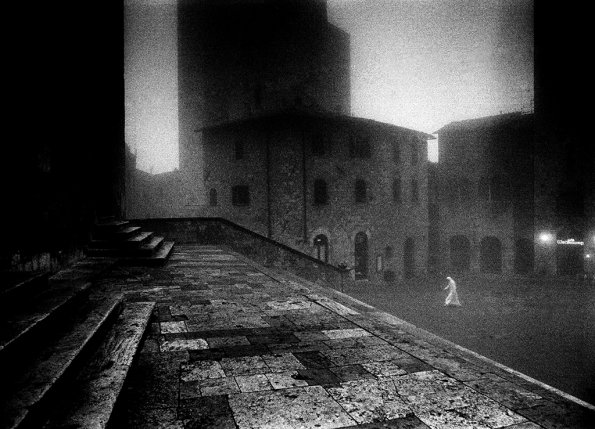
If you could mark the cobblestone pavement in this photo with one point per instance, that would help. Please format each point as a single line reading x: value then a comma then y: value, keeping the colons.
x: 235, y: 345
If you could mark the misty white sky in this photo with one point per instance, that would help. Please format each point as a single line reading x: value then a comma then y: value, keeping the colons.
x: 415, y: 63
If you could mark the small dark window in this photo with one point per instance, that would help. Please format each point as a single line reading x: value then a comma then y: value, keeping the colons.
x: 359, y: 147
x: 240, y: 195
x: 397, y: 190
x: 319, y: 144
x: 361, y: 191
x: 483, y: 189
x: 414, y: 191
x: 388, y: 252
x: 464, y: 189
x: 414, y: 151
x: 213, y: 197
x: 499, y: 190
x: 320, y: 192
x: 396, y: 152
x: 239, y: 150
x: 258, y: 97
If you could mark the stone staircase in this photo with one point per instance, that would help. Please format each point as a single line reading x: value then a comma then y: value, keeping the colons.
x: 128, y: 243
x: 65, y: 347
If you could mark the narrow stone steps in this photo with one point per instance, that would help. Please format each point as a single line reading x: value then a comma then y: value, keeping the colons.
x: 122, y: 242
x: 128, y: 244
x: 111, y: 224
x: 152, y: 245
x: 31, y: 384
x: 117, y: 234
x: 91, y: 398
x: 159, y: 257
x: 24, y: 322
x: 137, y: 249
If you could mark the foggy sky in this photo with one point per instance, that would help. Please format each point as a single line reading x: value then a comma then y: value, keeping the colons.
x: 414, y: 63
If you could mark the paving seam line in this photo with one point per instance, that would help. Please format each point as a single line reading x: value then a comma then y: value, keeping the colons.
x: 409, y: 327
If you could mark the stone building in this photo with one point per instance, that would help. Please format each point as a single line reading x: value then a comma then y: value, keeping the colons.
x: 237, y: 59
x: 499, y: 200
x: 341, y: 188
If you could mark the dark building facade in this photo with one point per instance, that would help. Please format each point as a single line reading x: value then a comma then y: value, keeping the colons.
x: 238, y: 59
x: 340, y: 188
x: 504, y: 201
x: 267, y: 141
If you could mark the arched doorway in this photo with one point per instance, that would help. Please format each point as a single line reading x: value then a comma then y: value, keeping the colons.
x: 321, y: 247
x: 491, y: 255
x: 409, y: 258
x: 460, y: 253
x: 361, y: 256
x: 523, y: 256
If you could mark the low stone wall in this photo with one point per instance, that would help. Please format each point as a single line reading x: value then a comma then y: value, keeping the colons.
x: 218, y: 231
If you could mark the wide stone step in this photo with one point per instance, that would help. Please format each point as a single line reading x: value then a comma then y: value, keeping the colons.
x: 90, y: 400
x: 111, y: 225
x: 148, y: 248
x: 24, y: 323
x: 29, y: 386
x: 159, y: 256
x: 122, y: 242
x: 117, y: 234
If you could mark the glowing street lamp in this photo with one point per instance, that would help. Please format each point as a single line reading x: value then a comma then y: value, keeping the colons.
x: 546, y: 237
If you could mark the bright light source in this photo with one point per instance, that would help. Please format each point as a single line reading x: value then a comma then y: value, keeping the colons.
x: 588, y: 256
x: 545, y: 237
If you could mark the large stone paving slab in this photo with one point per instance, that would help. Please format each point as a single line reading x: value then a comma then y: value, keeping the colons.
x: 370, y: 400
x: 307, y: 407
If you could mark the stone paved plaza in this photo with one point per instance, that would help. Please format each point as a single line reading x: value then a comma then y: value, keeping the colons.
x: 235, y: 345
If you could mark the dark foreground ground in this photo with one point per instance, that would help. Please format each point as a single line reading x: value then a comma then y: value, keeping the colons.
x: 544, y: 328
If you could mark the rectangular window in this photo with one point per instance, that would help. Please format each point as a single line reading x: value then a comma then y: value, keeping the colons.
x: 361, y: 191
x: 320, y: 192
x: 213, y: 197
x: 414, y: 191
x: 319, y: 144
x: 414, y: 152
x: 397, y: 190
x: 240, y: 195
x: 359, y: 147
x: 239, y: 150
x: 396, y: 153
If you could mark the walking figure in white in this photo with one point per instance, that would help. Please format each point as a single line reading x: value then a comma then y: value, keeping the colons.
x: 452, y: 298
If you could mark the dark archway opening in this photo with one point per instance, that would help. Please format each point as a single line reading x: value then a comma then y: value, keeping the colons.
x: 409, y: 258
x: 321, y: 247
x: 361, y: 256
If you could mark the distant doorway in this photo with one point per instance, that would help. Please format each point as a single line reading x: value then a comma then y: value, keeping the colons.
x: 491, y: 255
x: 321, y: 247
x: 460, y: 253
x: 409, y: 258
x: 361, y: 256
x: 523, y: 256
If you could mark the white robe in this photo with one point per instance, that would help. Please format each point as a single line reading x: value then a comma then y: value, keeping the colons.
x: 452, y: 298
